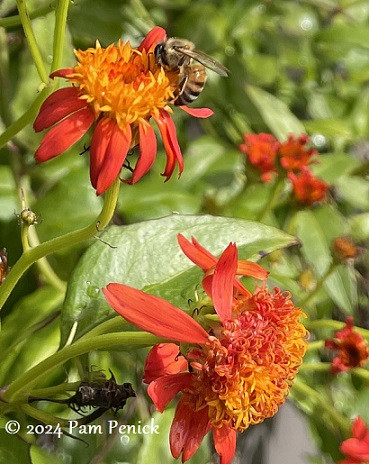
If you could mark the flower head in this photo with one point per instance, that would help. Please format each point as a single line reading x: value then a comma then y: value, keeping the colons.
x: 357, y: 447
x: 344, y: 249
x: 117, y: 90
x: 293, y: 153
x: 261, y: 151
x: 234, y: 374
x: 307, y: 188
x: 353, y: 350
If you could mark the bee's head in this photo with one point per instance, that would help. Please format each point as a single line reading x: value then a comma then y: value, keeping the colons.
x: 159, y: 53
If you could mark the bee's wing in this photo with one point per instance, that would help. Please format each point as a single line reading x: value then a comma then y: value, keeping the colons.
x: 204, y: 59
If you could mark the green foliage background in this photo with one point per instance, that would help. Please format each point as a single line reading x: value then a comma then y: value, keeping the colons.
x: 296, y: 66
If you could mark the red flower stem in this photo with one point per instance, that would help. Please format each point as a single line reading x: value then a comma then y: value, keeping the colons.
x: 59, y: 33
x: 269, y: 205
x: 26, y: 117
x: 21, y: 387
x: 322, y: 405
x: 318, y: 286
x: 32, y: 42
x: 334, y: 325
x: 31, y: 255
x: 14, y: 21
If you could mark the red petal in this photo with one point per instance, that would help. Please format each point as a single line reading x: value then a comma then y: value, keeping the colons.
x: 196, y: 253
x: 356, y: 449
x: 116, y: 153
x: 248, y: 268
x: 198, y: 112
x: 65, y: 134
x: 223, y: 282
x: 62, y: 72
x: 99, y: 145
x: 225, y: 444
x: 359, y: 429
x: 164, y: 389
x: 57, y: 106
x: 200, y: 426
x: 164, y: 359
x: 154, y: 314
x: 180, y: 427
x: 155, y: 36
x: 169, y: 136
x: 148, y: 150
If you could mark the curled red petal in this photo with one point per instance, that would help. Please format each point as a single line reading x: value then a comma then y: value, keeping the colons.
x: 62, y: 72
x: 196, y: 253
x: 180, y: 427
x: 225, y: 444
x: 164, y: 359
x: 148, y: 148
x: 223, y: 282
x: 57, y: 106
x: 154, y: 314
x: 65, y: 134
x: 116, y: 152
x: 164, y: 389
x: 99, y: 145
x: 200, y: 426
x: 198, y: 112
x: 168, y: 133
x: 155, y: 36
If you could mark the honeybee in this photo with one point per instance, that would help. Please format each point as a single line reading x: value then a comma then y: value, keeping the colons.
x: 176, y: 55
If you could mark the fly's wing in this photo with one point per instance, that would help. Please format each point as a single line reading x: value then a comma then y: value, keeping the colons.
x: 205, y: 60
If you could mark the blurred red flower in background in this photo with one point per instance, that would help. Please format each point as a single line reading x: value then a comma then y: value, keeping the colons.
x: 307, y: 188
x: 357, y: 447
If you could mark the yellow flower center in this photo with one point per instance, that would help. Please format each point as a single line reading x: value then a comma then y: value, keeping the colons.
x: 123, y: 83
x: 244, y: 373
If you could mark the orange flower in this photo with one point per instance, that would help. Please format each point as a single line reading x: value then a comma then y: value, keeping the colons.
x: 344, y: 249
x: 293, y: 154
x: 357, y: 447
x: 307, y: 188
x: 117, y: 90
x: 232, y: 375
x: 261, y: 151
x: 352, y: 348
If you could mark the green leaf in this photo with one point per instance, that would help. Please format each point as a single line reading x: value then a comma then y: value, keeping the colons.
x: 355, y: 191
x: 340, y: 285
x: 40, y: 456
x: 360, y: 226
x: 332, y: 127
x: 275, y: 113
x: 12, y: 449
x: 8, y: 197
x: 147, y: 254
x: 332, y: 166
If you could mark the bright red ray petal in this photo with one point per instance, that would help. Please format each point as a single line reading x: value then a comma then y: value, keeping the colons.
x: 356, y: 448
x: 207, y: 283
x: 62, y: 72
x: 248, y: 268
x: 155, y: 36
x: 169, y: 136
x: 180, y: 427
x: 198, y: 112
x: 148, y: 148
x: 225, y: 444
x: 223, y: 282
x: 65, y: 134
x: 200, y: 426
x: 61, y: 105
x: 99, y: 145
x: 359, y: 429
x: 164, y: 359
x: 196, y: 253
x: 164, y: 389
x: 116, y: 153
x: 154, y: 314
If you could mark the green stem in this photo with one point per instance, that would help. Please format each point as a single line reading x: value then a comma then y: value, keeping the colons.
x: 26, y: 117
x: 32, y: 42
x: 43, y: 416
x: 110, y: 325
x: 334, y: 325
x: 20, y: 387
x: 318, y: 367
x: 55, y: 390
x: 31, y: 255
x: 322, y: 404
x: 360, y: 372
x: 317, y: 345
x: 59, y: 33
x: 14, y: 21
x: 318, y: 286
x: 4, y: 79
x: 269, y: 205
